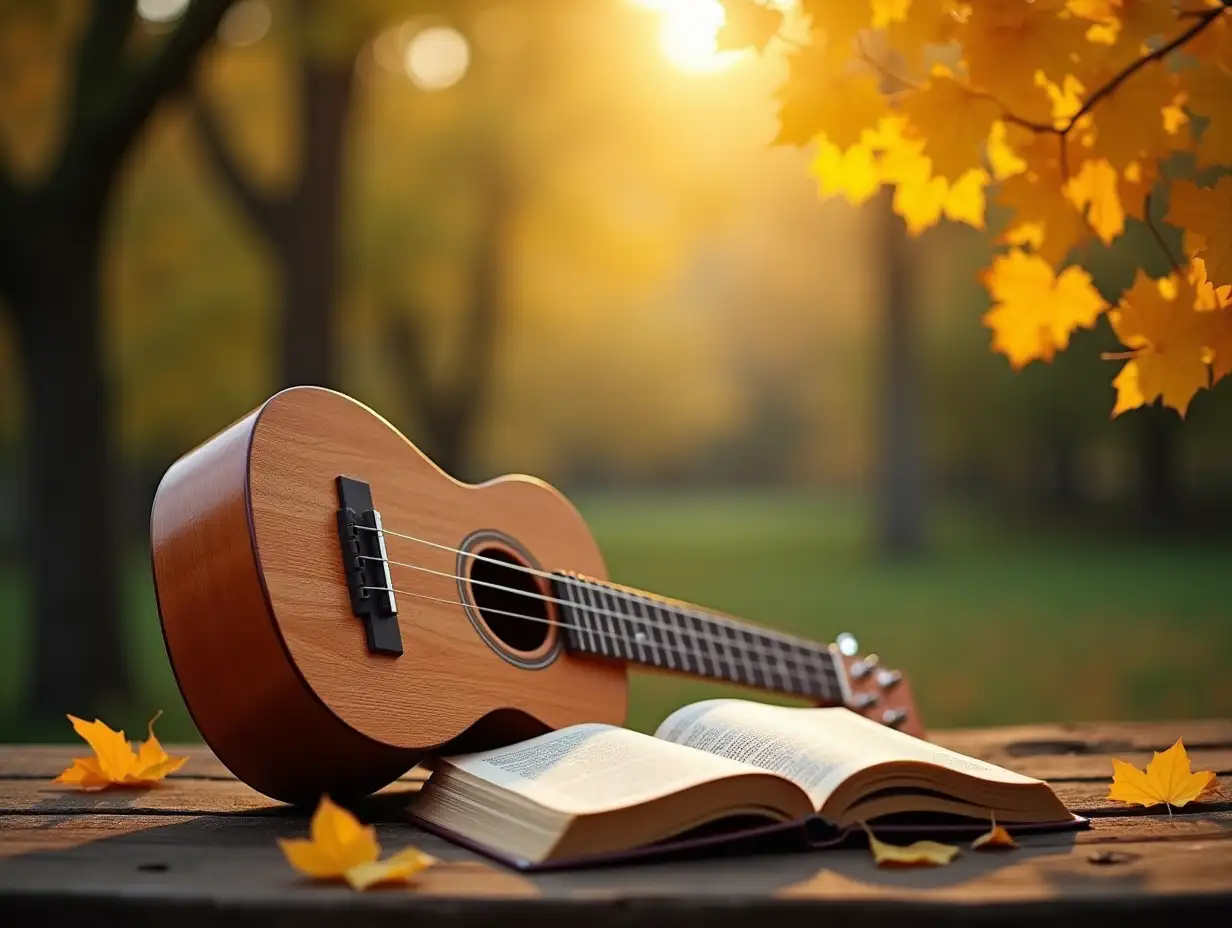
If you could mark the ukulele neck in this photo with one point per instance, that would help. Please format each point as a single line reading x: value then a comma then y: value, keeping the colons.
x: 628, y: 625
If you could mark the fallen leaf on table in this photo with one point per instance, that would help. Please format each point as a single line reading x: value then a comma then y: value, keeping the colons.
x: 114, y: 762
x: 919, y: 854
x: 341, y: 848
x: 1167, y: 780
x: 995, y: 839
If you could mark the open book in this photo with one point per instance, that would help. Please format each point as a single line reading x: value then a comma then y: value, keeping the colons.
x: 718, y: 771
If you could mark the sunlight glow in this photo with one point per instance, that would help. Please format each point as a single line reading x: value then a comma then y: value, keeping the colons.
x: 688, y: 31
x: 245, y: 23
x: 437, y: 57
x: 160, y: 11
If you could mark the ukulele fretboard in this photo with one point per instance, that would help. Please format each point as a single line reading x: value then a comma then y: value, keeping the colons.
x: 614, y: 622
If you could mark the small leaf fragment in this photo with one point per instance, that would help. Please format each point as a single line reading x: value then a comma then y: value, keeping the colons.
x: 342, y: 848
x: 995, y: 839
x: 400, y: 868
x: 919, y: 854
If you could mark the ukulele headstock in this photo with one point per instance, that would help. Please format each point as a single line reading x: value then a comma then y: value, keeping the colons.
x: 876, y: 691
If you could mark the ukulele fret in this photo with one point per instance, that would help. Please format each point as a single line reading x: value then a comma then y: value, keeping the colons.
x: 642, y: 629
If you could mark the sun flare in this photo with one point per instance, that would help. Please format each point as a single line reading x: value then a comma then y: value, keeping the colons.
x: 687, y: 36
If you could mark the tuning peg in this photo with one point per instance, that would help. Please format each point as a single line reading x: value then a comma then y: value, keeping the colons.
x: 863, y: 667
x: 863, y: 700
x: 894, y: 717
x: 847, y: 644
x: 888, y: 678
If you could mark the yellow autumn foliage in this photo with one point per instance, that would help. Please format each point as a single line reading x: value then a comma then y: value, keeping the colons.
x: 1070, y: 107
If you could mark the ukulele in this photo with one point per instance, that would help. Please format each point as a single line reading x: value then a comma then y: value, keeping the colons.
x: 336, y: 608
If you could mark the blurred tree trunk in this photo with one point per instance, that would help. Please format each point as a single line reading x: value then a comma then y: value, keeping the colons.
x: 1064, y: 482
x: 51, y: 235
x: 302, y: 223
x: 447, y: 413
x: 1159, y: 458
x: 79, y: 658
x: 900, y: 492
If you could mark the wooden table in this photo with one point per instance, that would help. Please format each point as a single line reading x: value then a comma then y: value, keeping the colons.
x: 200, y: 850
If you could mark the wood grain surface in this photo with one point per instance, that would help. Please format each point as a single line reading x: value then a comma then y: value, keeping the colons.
x: 201, y: 850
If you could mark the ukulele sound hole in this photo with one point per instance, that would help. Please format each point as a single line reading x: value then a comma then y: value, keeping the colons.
x: 508, y: 599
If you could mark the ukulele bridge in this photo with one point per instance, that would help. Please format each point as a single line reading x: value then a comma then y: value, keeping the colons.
x: 366, y: 566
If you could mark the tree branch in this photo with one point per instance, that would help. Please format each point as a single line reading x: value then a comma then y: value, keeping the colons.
x: 100, y: 55
x: 264, y: 209
x: 1158, y: 236
x: 114, y: 99
x: 1135, y: 66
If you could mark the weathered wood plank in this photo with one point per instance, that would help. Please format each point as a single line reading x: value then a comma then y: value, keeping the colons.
x: 38, y: 761
x: 181, y: 797
x: 189, y: 865
x: 1052, y: 740
x: 47, y: 760
x: 1089, y: 799
x: 191, y: 795
x: 1079, y: 872
x: 1046, y: 751
x: 203, y: 849
x: 1099, y: 766
x: 39, y: 831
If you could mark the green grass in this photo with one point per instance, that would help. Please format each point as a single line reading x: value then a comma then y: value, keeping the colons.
x: 995, y: 625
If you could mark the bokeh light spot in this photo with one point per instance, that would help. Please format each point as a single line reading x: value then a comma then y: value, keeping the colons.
x: 437, y: 57
x: 160, y: 11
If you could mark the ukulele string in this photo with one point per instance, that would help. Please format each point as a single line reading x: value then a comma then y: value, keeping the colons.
x: 645, y: 641
x: 787, y: 638
x: 795, y: 683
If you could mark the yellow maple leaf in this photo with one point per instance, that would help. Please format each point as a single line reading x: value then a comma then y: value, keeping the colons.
x: 910, y: 26
x: 114, y: 762
x: 1126, y: 25
x: 747, y: 23
x: 1167, y: 780
x: 919, y: 854
x: 838, y: 22
x: 1157, y: 320
x: 1005, y: 42
x: 1036, y: 310
x: 1208, y: 297
x: 995, y: 839
x: 341, y: 848
x: 1096, y: 189
x: 851, y: 174
x: 1136, y: 181
x: 965, y: 200
x: 886, y: 12
x: 1213, y: 44
x: 1002, y: 157
x: 1044, y: 216
x: 920, y: 197
x: 953, y: 121
x: 1208, y: 91
x: 1203, y: 213
x: 816, y: 99
x: 1129, y: 123
x: 1219, y: 341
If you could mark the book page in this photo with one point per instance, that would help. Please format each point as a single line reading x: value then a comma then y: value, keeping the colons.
x: 816, y: 748
x: 593, y: 768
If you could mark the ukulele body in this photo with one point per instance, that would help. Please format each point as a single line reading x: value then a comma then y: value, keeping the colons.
x: 260, y: 629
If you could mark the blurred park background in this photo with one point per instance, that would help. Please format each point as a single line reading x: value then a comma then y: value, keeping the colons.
x: 552, y: 236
